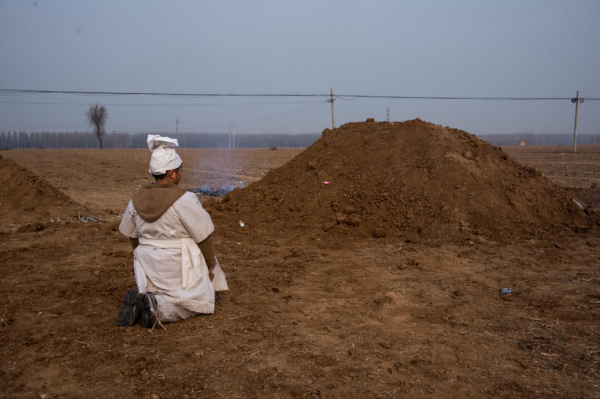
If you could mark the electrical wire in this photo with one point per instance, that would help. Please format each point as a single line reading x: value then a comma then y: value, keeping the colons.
x: 182, y: 95
x: 276, y: 116
x: 312, y: 106
x: 298, y: 118
x: 346, y: 99
x: 85, y: 127
x: 160, y: 104
x: 44, y: 125
x: 340, y: 96
x: 470, y: 98
x: 197, y: 126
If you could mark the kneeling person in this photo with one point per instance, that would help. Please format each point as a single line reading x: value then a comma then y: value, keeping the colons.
x: 170, y: 234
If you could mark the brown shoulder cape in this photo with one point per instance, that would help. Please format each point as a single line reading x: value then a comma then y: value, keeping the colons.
x: 152, y: 200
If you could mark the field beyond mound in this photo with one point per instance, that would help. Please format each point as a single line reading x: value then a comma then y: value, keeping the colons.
x: 26, y: 197
x: 412, y: 179
x: 336, y: 316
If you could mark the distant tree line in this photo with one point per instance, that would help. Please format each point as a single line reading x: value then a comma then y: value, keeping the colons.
x: 531, y: 138
x: 257, y: 140
x: 138, y: 140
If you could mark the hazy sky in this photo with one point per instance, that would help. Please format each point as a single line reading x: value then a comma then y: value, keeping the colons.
x: 508, y: 48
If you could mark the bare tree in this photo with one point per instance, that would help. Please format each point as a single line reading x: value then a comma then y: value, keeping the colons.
x: 97, y: 117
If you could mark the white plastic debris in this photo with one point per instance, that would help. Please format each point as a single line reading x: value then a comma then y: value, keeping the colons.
x: 578, y: 204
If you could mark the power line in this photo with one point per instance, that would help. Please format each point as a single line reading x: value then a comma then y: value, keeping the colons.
x: 312, y: 107
x: 42, y: 125
x: 294, y: 120
x: 470, y: 98
x: 340, y: 96
x: 84, y: 127
x: 160, y: 104
x: 119, y: 93
x: 278, y: 115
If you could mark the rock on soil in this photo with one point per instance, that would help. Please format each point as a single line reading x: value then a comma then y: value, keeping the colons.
x: 403, y: 177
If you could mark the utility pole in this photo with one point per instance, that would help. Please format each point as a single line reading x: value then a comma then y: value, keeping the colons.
x: 233, y: 136
x: 332, y: 118
x: 575, y: 133
x: 177, y: 128
x: 388, y: 114
x: 116, y: 145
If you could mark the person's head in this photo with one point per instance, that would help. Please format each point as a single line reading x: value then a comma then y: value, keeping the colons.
x: 165, y: 163
x: 170, y: 176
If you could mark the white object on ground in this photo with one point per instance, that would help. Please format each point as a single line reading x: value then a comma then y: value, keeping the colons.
x: 578, y: 204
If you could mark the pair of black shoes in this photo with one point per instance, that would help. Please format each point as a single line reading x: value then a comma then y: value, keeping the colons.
x: 137, y: 308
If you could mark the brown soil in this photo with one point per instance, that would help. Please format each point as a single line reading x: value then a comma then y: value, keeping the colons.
x: 26, y: 197
x: 579, y: 172
x: 104, y: 180
x: 412, y: 179
x: 309, y: 314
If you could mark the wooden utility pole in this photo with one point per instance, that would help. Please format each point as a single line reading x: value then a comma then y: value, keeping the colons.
x: 176, y: 128
x: 332, y: 118
x: 116, y: 146
x: 575, y: 133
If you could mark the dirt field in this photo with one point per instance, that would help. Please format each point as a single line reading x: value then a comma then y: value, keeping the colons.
x: 105, y: 180
x: 305, y: 317
x: 580, y: 172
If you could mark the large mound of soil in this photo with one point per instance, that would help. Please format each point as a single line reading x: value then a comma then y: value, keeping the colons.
x: 26, y: 197
x: 412, y: 179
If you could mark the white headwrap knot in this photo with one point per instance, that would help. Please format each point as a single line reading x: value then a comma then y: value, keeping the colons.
x: 164, y: 157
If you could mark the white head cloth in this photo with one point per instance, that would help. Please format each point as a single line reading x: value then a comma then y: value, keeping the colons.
x: 164, y: 158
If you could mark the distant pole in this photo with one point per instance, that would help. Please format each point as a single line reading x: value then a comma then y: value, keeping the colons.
x: 575, y: 133
x: 332, y: 118
x: 388, y: 114
x: 116, y: 146
x: 176, y: 128
x: 233, y: 136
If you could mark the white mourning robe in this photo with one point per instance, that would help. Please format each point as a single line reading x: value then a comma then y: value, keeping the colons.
x: 182, y: 289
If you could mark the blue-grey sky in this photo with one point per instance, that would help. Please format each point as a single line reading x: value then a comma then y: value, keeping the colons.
x: 509, y: 48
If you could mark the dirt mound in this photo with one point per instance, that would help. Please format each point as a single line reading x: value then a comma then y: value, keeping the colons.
x: 26, y: 197
x: 412, y: 179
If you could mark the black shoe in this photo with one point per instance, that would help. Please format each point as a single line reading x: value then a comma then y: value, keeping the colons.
x: 129, y: 314
x: 148, y: 308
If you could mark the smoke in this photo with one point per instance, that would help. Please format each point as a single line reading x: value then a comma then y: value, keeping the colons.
x: 216, y: 191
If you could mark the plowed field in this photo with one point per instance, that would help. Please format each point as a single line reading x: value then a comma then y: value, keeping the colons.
x: 312, y: 312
